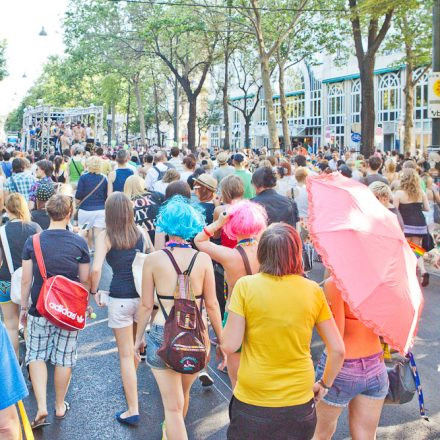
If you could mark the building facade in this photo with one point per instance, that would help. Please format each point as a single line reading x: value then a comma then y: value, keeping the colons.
x: 324, y: 105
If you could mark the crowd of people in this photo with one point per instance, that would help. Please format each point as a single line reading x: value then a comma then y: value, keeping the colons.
x: 224, y: 232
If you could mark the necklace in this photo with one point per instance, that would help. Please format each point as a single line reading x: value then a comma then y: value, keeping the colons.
x: 247, y: 242
x: 177, y: 244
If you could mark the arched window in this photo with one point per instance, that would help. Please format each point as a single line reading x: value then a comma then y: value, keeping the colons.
x: 389, y: 97
x: 356, y: 101
x: 421, y: 96
x: 336, y: 112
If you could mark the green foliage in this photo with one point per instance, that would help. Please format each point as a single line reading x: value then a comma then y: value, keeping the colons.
x: 3, y: 70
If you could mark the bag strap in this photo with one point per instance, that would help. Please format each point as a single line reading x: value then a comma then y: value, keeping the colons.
x: 74, y: 165
x: 90, y: 193
x: 245, y: 259
x: 173, y: 261
x: 6, y: 249
x: 14, y: 183
x: 39, y: 255
x: 418, y: 384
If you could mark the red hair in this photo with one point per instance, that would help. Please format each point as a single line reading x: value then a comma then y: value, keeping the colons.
x: 280, y: 251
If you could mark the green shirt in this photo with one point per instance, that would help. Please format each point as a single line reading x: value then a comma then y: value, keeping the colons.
x: 75, y: 170
x: 246, y: 178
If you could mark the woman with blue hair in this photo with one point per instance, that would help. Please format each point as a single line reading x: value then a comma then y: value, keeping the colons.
x: 181, y: 221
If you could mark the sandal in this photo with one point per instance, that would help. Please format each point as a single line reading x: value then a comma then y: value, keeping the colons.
x: 39, y: 423
x: 66, y: 404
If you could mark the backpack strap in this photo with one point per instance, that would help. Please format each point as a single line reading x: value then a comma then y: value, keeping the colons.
x: 173, y: 261
x: 245, y: 259
x: 39, y: 255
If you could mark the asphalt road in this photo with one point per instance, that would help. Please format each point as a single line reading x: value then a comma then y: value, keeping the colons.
x: 96, y: 392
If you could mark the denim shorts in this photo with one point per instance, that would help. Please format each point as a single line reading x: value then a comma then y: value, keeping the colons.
x: 5, y: 292
x: 365, y: 376
x: 154, y: 342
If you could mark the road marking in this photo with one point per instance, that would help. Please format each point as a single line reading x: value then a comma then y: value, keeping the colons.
x: 96, y: 322
x: 227, y: 400
x: 221, y: 380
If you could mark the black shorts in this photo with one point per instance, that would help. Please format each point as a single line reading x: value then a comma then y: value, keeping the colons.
x: 249, y: 422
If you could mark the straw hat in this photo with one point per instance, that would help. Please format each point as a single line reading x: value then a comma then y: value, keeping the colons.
x: 222, y: 157
x: 207, y: 181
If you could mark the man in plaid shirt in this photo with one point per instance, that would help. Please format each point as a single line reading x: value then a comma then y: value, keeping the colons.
x: 19, y: 182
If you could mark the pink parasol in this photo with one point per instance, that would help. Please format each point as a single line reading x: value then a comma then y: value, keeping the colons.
x: 361, y: 243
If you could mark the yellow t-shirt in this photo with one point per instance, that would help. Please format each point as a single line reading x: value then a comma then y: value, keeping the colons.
x: 276, y: 367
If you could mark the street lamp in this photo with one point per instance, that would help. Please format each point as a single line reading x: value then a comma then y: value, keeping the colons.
x: 43, y: 32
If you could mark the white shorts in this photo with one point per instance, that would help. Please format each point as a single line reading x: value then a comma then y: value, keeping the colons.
x: 93, y: 219
x: 122, y: 312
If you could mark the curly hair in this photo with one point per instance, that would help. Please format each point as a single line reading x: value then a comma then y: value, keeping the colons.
x: 180, y: 218
x: 410, y: 183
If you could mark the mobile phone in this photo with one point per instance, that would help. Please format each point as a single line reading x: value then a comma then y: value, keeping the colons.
x: 84, y: 226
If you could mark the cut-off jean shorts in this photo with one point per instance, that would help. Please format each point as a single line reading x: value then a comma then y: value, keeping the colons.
x: 364, y: 376
x: 154, y: 342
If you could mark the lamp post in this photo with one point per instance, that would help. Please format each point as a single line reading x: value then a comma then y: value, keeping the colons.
x: 436, y: 65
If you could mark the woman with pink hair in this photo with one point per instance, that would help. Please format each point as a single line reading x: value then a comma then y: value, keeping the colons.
x: 244, y: 222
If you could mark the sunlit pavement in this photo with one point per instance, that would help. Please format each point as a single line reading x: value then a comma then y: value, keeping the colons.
x: 96, y: 392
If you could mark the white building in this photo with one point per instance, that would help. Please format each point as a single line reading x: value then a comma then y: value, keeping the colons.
x: 323, y: 106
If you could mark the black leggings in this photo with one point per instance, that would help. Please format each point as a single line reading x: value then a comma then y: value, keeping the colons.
x: 249, y: 422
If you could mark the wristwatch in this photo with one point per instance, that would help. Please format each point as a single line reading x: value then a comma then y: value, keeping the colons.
x: 24, y: 309
x: 92, y: 293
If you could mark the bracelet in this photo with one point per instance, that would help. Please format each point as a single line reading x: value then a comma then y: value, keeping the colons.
x: 322, y: 383
x: 92, y: 293
x: 24, y: 309
x: 209, y: 234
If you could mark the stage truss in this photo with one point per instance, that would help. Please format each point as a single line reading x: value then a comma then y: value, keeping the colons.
x: 44, y: 115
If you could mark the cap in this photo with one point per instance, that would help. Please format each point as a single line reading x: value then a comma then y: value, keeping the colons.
x: 44, y: 192
x: 239, y: 157
x: 207, y: 181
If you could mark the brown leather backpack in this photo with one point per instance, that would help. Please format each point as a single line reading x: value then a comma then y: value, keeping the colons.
x: 185, y: 345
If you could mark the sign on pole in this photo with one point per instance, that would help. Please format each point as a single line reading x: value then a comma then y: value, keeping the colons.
x: 434, y: 95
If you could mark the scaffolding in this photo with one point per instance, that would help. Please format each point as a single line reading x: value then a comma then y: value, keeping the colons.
x: 43, y: 116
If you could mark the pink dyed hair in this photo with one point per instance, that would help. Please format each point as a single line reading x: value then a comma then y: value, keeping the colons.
x: 246, y: 219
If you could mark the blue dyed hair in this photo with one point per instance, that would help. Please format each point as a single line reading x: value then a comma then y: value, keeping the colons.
x: 179, y: 217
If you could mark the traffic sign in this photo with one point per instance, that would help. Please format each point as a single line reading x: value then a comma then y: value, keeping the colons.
x: 356, y: 137
x: 434, y: 95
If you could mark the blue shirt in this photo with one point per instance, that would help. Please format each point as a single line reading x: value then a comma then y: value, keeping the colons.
x: 7, y: 168
x: 12, y: 385
x: 86, y: 184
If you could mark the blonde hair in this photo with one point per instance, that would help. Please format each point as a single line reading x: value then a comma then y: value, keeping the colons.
x: 134, y: 186
x: 390, y: 166
x: 16, y: 204
x: 171, y: 175
x: 410, y: 183
x: 381, y: 190
x: 301, y: 174
x: 94, y: 165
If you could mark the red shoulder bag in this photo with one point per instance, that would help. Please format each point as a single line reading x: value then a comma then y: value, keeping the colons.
x: 62, y: 302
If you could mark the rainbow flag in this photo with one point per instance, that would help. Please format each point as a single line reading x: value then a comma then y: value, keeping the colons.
x: 418, y: 250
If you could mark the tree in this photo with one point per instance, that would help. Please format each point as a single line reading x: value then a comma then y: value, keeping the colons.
x: 211, y: 116
x: 186, y: 40
x: 412, y: 33
x: 3, y: 71
x: 246, y: 66
x: 271, y: 29
x: 374, y: 17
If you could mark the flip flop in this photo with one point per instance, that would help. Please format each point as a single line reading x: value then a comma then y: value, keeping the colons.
x: 66, y: 404
x: 37, y: 424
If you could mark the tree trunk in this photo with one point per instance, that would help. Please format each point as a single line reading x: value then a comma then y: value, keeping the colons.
x: 368, y: 116
x: 283, y: 107
x: 247, y: 129
x: 140, y: 108
x: 113, y: 109
x: 176, y: 112
x: 128, y: 114
x: 274, y: 143
x: 192, y: 120
x: 408, y: 140
x: 227, y: 142
x: 156, y: 113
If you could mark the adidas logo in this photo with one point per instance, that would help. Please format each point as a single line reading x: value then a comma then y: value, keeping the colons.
x: 66, y: 312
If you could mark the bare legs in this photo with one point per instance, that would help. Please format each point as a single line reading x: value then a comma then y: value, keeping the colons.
x: 174, y: 390
x: 11, y: 313
x: 9, y: 424
x: 128, y: 364
x: 363, y: 415
x: 38, y: 372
